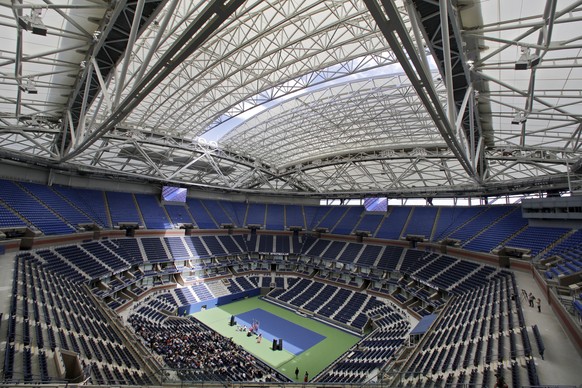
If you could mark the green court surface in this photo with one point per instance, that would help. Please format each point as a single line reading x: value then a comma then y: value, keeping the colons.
x: 312, y: 360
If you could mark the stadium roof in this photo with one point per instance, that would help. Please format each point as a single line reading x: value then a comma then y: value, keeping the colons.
x: 330, y: 98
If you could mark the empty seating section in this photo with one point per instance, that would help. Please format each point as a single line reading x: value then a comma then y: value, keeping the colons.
x: 421, y: 221
x: 83, y: 260
x: 375, y: 351
x: 57, y: 263
x: 460, y: 340
x: 32, y: 210
x: 432, y: 265
x: 497, y: 234
x: 451, y: 218
x: 91, y: 202
x: 236, y: 211
x: 369, y: 223
x: 282, y: 244
x: 68, y: 319
x: 9, y: 219
x: 275, y: 217
x: 214, y: 246
x: 480, y: 222
x: 318, y: 247
x: 369, y: 255
x: 152, y: 211
x: 57, y: 204
x: 454, y: 273
x: 266, y: 243
x: 332, y: 217
x: 393, y: 224
x: 563, y: 258
x: 350, y: 253
x: 413, y: 260
x: 256, y: 214
x: 314, y: 214
x: 390, y: 258
x: 333, y: 250
x: 105, y: 255
x: 479, y: 332
x: 252, y: 242
x: 155, y: 249
x: 294, y: 216
x: 127, y: 248
x: 231, y: 245
x: 179, y: 214
x: 200, y: 215
x: 122, y: 208
x: 348, y: 221
x: 218, y: 214
x: 177, y: 248
x: 196, y: 246
x: 536, y: 239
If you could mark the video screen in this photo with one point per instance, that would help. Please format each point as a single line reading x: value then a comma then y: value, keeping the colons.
x: 174, y: 194
x: 376, y: 204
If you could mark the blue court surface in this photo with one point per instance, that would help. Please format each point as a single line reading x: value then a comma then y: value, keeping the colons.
x: 296, y: 339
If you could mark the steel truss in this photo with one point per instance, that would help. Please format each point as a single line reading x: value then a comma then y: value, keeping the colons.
x: 334, y: 98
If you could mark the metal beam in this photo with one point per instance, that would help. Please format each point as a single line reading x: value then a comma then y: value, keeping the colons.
x: 446, y: 37
x: 396, y: 33
x: 120, y: 80
x: 208, y: 21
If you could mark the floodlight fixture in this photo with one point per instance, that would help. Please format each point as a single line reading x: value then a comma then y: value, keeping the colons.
x: 29, y: 87
x: 33, y: 22
x: 519, y: 118
x: 527, y: 60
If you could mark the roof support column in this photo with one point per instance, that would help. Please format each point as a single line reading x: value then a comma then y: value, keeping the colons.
x: 120, y: 81
x: 413, y: 16
x: 206, y: 23
x: 396, y: 34
x: 162, y: 27
x: 444, y: 7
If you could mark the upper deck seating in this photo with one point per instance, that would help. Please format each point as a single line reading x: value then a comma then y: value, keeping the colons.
x: 421, y: 221
x: 275, y: 219
x: 348, y: 221
x: 203, y: 219
x: 393, y: 224
x: 153, y: 213
x: 215, y: 208
x: 369, y: 223
x: 57, y: 204
x: 122, y: 208
x: 32, y: 210
x: 294, y: 216
x: 91, y: 202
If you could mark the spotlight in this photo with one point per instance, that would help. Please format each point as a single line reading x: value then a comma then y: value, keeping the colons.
x: 29, y: 87
x: 527, y: 60
x: 519, y: 118
x: 33, y: 23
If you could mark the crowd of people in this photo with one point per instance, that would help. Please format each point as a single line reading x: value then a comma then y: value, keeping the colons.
x: 197, y: 352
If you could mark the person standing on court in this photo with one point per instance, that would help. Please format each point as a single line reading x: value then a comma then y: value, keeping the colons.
x: 539, y: 302
x: 306, y: 379
x: 296, y: 373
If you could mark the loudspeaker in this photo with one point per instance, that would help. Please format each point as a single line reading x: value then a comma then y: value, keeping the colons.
x: 280, y: 347
x: 274, y: 344
x: 232, y: 322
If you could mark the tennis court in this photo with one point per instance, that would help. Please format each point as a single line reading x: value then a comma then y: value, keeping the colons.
x: 308, y: 344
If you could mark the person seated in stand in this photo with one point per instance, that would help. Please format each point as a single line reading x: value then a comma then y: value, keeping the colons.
x: 500, y: 383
